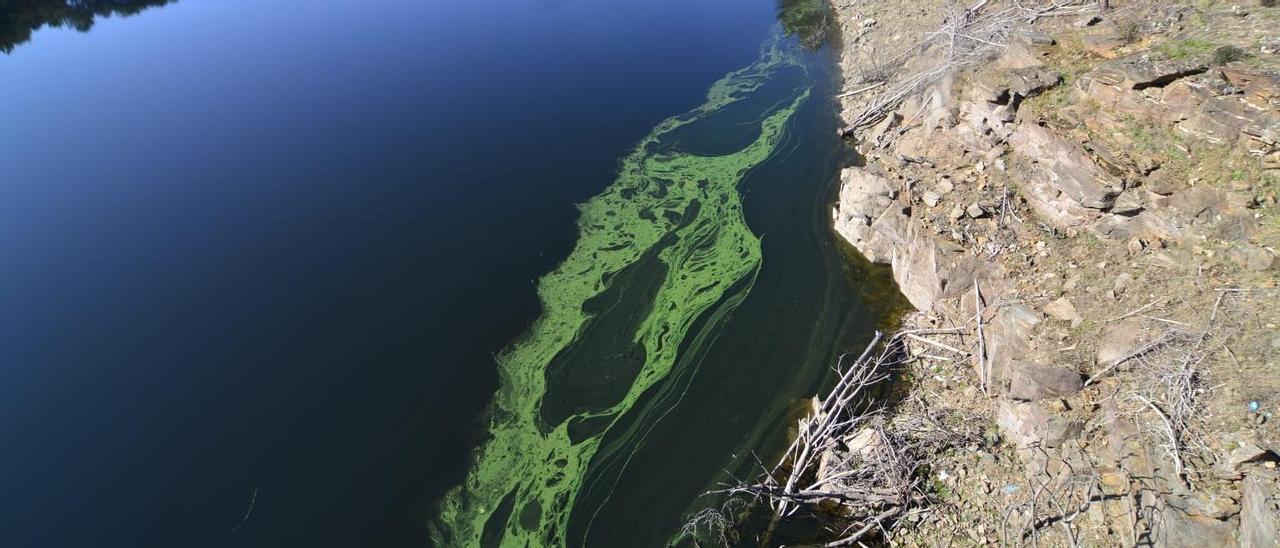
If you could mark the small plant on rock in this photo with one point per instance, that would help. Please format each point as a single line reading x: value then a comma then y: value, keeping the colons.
x: 1130, y: 32
x: 1228, y: 54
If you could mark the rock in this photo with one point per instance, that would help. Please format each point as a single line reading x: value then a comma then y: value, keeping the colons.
x: 1259, y: 520
x: 931, y: 198
x: 863, y: 198
x: 1007, y: 338
x: 1114, y: 482
x: 1028, y: 425
x: 1216, y: 212
x: 865, y: 442
x: 1256, y: 259
x: 1028, y: 82
x: 1241, y: 452
x: 1179, y: 530
x: 1018, y: 55
x: 1061, y: 309
x: 1203, y: 504
x: 1221, y: 120
x: 986, y: 87
x: 1120, y: 341
x: 1122, y: 282
x: 975, y: 211
x: 1037, y: 382
x: 1103, y: 44
x: 1135, y: 246
x: 1127, y: 203
x: 1261, y: 88
x: 1066, y: 168
x: 944, y: 185
x: 922, y: 265
x: 956, y: 214
x: 1141, y: 71
x: 1161, y: 183
x: 1037, y: 38
x: 891, y: 121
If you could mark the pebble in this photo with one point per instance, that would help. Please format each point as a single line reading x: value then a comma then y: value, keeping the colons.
x: 975, y: 211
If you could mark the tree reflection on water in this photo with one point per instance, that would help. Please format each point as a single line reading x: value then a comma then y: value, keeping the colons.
x: 20, y: 18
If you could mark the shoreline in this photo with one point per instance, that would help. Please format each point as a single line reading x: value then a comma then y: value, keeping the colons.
x: 1038, y: 196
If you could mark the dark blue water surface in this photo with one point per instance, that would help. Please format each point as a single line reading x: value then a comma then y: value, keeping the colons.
x: 271, y: 245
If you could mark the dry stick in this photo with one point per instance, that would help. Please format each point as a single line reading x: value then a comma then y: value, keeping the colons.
x: 1164, y: 320
x: 857, y: 91
x: 1139, y: 310
x: 936, y: 343
x: 803, y: 447
x: 1169, y: 431
x: 982, y: 340
x: 1160, y: 341
x: 865, y: 529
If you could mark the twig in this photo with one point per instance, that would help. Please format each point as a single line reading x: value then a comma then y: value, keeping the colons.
x: 866, y: 528
x: 857, y: 91
x: 1139, y: 310
x: 1169, y: 431
x: 252, y: 500
x: 943, y: 346
x: 983, y: 376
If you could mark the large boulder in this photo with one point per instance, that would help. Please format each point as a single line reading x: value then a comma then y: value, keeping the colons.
x: 863, y: 198
x: 876, y: 224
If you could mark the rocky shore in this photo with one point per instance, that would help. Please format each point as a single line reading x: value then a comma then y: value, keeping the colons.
x: 1091, y: 195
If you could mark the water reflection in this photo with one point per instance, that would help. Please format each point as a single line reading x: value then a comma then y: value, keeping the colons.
x: 20, y: 18
x: 810, y: 21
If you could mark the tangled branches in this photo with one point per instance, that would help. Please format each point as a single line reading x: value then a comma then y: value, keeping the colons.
x: 1053, y: 499
x: 1172, y: 383
x: 850, y: 459
x: 714, y: 524
x: 967, y: 35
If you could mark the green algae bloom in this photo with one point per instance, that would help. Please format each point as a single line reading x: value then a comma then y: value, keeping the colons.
x: 663, y: 248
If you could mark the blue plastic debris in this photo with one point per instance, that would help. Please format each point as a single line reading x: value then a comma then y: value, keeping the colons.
x: 1253, y: 406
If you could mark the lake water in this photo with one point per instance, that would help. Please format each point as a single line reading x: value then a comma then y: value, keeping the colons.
x: 265, y: 264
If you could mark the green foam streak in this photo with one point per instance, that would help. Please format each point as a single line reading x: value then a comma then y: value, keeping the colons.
x: 536, y: 467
